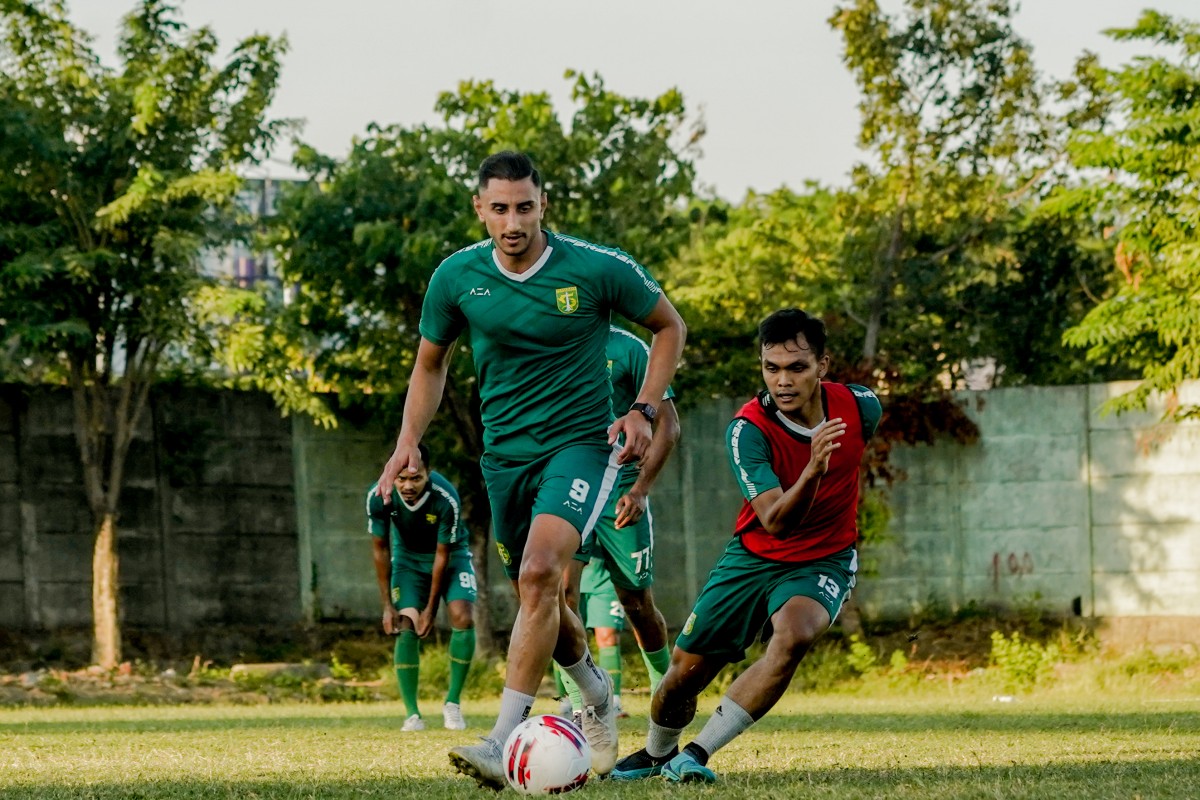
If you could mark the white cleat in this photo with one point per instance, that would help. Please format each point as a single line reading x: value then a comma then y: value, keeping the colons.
x: 413, y: 723
x: 452, y: 717
x: 600, y: 728
x: 482, y: 762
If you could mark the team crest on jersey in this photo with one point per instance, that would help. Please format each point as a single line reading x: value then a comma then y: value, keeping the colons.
x: 691, y: 623
x: 431, y: 518
x: 568, y: 299
x: 504, y: 556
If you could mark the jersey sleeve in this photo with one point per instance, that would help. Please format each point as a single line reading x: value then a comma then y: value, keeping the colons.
x: 631, y: 290
x: 377, y: 514
x: 750, y: 458
x: 450, y: 527
x: 869, y: 409
x: 441, y: 319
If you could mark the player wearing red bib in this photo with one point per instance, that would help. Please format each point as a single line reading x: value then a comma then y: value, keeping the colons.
x: 795, y: 451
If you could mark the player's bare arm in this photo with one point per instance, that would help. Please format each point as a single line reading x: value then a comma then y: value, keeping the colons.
x: 670, y: 332
x: 781, y: 511
x: 420, y: 404
x: 383, y: 577
x: 425, y: 619
x: 632, y: 505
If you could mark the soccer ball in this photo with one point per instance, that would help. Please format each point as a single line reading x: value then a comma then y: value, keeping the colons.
x: 547, y: 755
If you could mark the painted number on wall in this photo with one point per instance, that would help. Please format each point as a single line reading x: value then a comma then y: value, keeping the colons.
x: 1010, y: 564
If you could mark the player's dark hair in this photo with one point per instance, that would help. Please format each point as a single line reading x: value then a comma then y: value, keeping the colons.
x: 786, y: 324
x: 424, y: 451
x: 508, y: 165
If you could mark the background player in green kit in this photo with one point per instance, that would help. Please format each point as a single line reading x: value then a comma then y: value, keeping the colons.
x: 795, y: 451
x: 537, y: 306
x: 624, y: 538
x: 421, y: 558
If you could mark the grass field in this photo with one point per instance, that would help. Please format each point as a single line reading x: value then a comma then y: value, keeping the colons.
x: 1133, y: 743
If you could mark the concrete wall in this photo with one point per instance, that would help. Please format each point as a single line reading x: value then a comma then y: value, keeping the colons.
x: 234, y: 515
x: 334, y: 468
x: 206, y: 533
x: 1056, y: 506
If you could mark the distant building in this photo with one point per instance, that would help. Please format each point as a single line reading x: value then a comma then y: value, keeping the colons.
x: 237, y: 260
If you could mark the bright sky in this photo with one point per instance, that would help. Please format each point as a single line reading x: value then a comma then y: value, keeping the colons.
x: 779, y: 106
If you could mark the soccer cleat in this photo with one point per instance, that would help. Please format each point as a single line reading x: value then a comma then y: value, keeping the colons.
x: 452, y: 717
x: 684, y: 768
x: 600, y: 728
x: 639, y: 765
x: 482, y: 762
x: 413, y: 723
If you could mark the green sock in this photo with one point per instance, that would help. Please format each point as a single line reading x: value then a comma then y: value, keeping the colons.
x: 571, y: 687
x: 408, y: 666
x: 656, y: 665
x: 560, y: 688
x: 462, y: 650
x: 610, y: 662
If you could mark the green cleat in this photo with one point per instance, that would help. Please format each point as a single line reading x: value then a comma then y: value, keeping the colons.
x: 639, y: 765
x: 684, y: 768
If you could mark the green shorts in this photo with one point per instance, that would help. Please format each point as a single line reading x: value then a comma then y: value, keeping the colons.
x: 410, y: 587
x: 744, y: 590
x: 598, y: 603
x: 628, y: 552
x: 574, y: 484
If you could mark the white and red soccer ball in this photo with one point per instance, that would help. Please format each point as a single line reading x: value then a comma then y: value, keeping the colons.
x: 547, y: 755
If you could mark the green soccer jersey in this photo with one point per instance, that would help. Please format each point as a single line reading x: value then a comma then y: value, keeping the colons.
x: 628, y: 357
x: 416, y: 531
x: 538, y: 338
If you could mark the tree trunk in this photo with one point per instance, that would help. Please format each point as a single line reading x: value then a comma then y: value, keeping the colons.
x: 106, y: 637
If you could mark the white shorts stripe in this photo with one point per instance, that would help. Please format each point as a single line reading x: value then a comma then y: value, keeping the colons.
x: 606, y: 486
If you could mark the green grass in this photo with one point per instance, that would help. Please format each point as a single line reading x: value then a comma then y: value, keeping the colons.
x: 935, y: 741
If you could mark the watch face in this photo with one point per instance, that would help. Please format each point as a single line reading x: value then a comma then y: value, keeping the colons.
x: 648, y: 411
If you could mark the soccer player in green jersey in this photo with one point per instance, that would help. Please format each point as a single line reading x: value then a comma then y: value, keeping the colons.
x: 795, y: 451
x: 623, y: 542
x: 421, y: 558
x: 537, y: 306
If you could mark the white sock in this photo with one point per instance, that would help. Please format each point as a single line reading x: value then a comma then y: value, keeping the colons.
x: 723, y: 726
x: 514, y: 709
x: 591, y: 680
x: 660, y: 740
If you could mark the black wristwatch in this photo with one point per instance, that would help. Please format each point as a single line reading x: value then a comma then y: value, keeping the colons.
x: 648, y: 411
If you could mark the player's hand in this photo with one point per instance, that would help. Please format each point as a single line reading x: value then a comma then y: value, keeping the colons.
x: 824, y: 443
x: 391, y: 621
x: 630, y: 507
x: 637, y: 432
x: 404, y: 458
x: 424, y: 622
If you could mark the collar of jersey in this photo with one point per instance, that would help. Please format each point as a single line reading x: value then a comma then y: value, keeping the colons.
x: 417, y: 504
x: 529, y: 273
x: 796, y: 427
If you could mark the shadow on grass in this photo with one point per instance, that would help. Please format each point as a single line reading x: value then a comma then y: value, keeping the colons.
x: 1166, y: 779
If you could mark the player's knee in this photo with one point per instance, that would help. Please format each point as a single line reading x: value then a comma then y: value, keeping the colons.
x: 539, y: 581
x: 792, y: 645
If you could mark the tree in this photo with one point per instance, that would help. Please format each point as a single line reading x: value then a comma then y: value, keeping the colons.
x: 952, y: 123
x: 360, y: 241
x: 1140, y: 157
x: 741, y: 263
x: 113, y: 181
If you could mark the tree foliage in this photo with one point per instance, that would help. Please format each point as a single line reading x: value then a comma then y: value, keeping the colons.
x: 1140, y: 158
x: 113, y: 181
